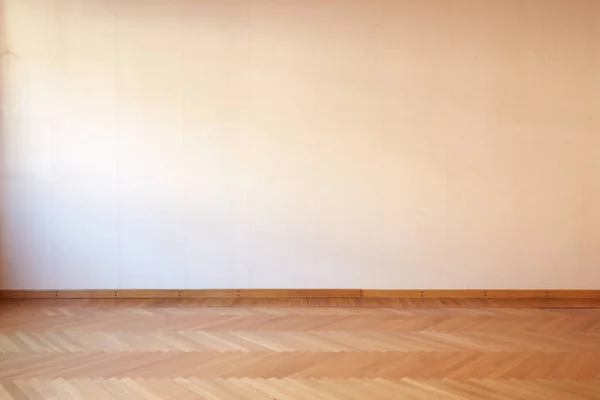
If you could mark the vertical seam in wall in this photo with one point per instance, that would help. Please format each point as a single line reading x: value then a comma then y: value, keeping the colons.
x: 383, y: 124
x: 117, y: 145
x: 185, y: 177
x: 52, y: 246
x: 248, y: 189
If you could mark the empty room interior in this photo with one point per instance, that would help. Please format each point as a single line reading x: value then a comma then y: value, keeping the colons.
x: 299, y: 199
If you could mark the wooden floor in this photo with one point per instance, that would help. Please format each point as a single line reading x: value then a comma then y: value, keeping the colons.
x: 299, y: 349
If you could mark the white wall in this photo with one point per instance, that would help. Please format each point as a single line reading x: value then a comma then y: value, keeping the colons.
x: 302, y: 143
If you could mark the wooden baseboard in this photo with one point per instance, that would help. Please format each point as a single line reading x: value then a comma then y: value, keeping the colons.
x: 301, y: 293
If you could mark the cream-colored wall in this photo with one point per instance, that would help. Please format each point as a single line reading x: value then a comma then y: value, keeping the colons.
x: 300, y: 143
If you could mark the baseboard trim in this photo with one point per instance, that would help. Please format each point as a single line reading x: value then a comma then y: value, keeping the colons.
x: 302, y: 293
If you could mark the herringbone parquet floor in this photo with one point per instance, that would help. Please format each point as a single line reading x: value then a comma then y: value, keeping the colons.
x: 200, y: 349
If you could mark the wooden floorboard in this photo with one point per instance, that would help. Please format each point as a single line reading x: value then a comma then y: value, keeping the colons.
x: 299, y: 348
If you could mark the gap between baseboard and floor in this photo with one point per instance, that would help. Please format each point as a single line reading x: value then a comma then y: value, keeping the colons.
x: 302, y: 293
